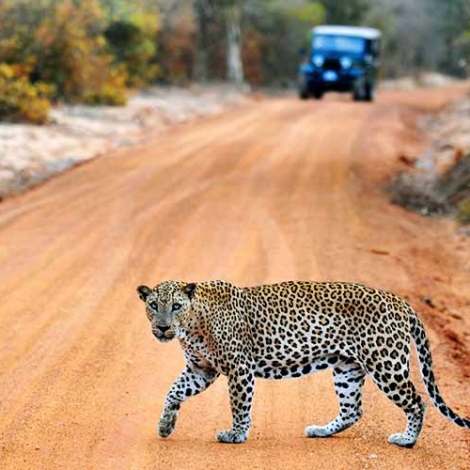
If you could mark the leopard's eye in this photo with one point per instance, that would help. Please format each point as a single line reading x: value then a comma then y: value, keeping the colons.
x: 154, y: 305
x: 176, y: 307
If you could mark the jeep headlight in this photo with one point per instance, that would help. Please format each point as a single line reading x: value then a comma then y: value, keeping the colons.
x: 346, y: 62
x: 318, y: 60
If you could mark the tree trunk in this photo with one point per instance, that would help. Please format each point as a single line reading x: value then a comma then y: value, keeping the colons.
x: 201, y: 11
x: 234, y: 44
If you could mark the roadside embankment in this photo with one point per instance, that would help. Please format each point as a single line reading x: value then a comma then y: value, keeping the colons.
x: 437, y: 182
x: 30, y: 154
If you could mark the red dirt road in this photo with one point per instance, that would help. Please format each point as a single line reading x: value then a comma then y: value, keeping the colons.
x: 280, y: 189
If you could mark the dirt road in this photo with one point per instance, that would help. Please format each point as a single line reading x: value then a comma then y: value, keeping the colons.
x: 280, y: 189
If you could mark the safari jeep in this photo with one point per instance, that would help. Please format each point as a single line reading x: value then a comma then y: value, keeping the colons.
x: 342, y: 58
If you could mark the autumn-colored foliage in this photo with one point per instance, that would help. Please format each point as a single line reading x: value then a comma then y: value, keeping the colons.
x: 20, y: 100
x: 63, y: 44
x: 74, y: 56
x: 176, y: 43
x: 90, y: 51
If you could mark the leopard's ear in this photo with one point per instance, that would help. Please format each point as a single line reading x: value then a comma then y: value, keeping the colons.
x: 143, y: 292
x: 189, y: 289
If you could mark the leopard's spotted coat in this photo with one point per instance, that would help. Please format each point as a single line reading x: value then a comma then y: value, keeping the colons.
x: 292, y: 329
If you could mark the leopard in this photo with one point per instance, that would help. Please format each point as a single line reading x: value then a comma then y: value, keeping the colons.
x: 290, y: 330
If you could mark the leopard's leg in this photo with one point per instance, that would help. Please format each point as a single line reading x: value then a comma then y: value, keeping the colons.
x: 190, y: 382
x: 404, y: 395
x: 349, y: 379
x: 241, y: 383
x: 392, y: 376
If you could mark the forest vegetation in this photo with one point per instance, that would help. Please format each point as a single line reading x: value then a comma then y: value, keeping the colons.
x: 93, y: 51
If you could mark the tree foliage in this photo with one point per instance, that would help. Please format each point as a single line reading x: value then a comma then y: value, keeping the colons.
x: 422, y: 35
x: 132, y: 41
x: 346, y: 12
x: 91, y: 50
x: 20, y: 100
x: 63, y: 43
x: 72, y: 54
x: 282, y: 30
x: 417, y: 35
x: 272, y: 32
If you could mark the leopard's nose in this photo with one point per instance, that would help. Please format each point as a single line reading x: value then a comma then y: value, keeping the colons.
x: 163, y: 329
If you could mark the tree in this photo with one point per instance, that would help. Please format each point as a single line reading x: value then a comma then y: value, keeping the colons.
x: 176, y: 41
x: 257, y: 40
x: 452, y: 24
x: 132, y: 41
x: 281, y: 30
x: 202, y: 13
x: 346, y: 12
x: 229, y: 13
x: 232, y: 13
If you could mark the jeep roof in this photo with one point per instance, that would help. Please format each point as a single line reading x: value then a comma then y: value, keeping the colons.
x: 367, y: 33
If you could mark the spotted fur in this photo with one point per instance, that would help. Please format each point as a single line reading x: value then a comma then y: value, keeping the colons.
x: 293, y: 329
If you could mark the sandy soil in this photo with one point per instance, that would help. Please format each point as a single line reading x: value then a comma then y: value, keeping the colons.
x: 281, y: 189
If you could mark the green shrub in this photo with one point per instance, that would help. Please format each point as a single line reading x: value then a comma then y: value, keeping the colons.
x: 464, y: 211
x: 21, y: 100
x: 132, y: 43
x: 111, y: 92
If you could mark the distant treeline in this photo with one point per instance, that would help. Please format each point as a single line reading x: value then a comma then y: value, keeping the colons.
x: 417, y: 35
x: 91, y: 51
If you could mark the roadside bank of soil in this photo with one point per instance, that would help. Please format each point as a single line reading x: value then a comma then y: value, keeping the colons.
x: 418, y: 81
x: 30, y: 154
x: 437, y: 182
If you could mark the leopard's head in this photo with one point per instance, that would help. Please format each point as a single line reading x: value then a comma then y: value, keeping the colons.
x: 166, y: 305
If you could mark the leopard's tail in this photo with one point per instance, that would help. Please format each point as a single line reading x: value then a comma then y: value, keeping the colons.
x: 425, y: 359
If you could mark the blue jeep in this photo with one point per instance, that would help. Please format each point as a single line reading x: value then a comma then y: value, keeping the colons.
x: 342, y: 58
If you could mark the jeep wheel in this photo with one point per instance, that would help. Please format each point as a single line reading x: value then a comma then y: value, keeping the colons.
x: 369, y: 92
x: 304, y: 92
x: 318, y: 94
x: 364, y: 91
x: 358, y: 94
x: 359, y: 91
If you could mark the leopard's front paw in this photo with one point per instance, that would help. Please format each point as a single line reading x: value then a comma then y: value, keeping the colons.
x: 232, y: 436
x: 167, y: 422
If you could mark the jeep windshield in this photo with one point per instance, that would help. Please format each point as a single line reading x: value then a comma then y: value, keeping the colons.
x: 343, y: 44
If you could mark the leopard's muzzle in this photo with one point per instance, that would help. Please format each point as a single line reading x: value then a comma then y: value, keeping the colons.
x: 163, y: 333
